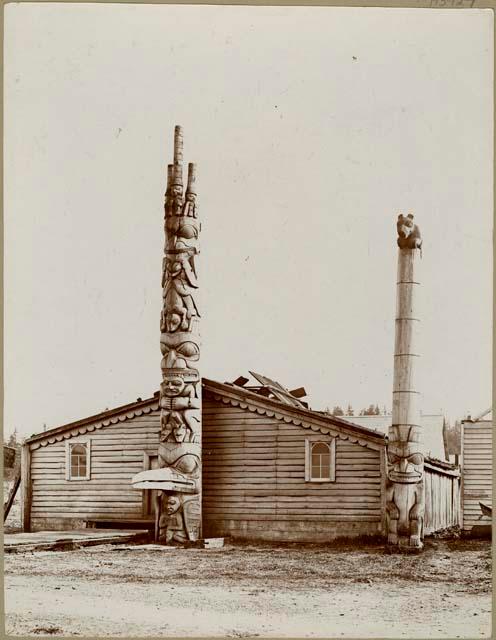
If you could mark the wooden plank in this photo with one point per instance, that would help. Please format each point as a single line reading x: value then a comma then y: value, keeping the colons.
x: 47, y: 484
x: 289, y: 507
x: 87, y: 513
x: 94, y: 495
x: 294, y: 495
x: 428, y: 505
x: 98, y: 473
x: 83, y: 503
x: 227, y: 420
x: 291, y: 495
x: 96, y: 466
x: 241, y: 446
x: 218, y: 475
x: 46, y: 453
x: 26, y: 488
x: 470, y: 432
x: 383, y: 472
x: 478, y: 482
x: 342, y: 458
x: 296, y: 518
x: 285, y: 484
x: 250, y: 514
x: 240, y: 455
x: 299, y: 501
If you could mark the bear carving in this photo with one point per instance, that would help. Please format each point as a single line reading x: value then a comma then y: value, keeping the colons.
x: 408, y: 233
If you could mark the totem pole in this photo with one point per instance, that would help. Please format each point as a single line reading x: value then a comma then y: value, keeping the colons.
x: 405, y: 459
x: 178, y: 478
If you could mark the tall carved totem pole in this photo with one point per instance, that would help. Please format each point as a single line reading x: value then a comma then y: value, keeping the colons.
x: 178, y: 478
x: 405, y: 459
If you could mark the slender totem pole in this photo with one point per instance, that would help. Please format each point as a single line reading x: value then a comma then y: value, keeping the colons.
x: 178, y: 478
x: 405, y: 481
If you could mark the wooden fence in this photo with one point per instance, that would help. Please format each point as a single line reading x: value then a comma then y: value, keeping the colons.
x: 442, y: 498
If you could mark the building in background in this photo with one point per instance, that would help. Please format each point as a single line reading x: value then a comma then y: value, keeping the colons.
x: 432, y: 430
x: 477, y: 480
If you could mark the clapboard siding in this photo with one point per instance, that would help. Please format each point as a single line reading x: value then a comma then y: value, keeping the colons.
x: 254, y: 470
x: 253, y: 474
x: 477, y: 471
x: 117, y: 454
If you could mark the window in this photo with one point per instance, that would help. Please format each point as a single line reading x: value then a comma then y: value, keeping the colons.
x: 320, y: 460
x: 78, y: 459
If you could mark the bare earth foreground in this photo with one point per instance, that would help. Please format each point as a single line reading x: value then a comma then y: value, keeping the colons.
x: 252, y: 590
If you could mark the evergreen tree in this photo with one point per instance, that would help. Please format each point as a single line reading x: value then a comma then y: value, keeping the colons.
x: 12, y: 441
x: 349, y: 411
x: 337, y: 411
x: 369, y: 412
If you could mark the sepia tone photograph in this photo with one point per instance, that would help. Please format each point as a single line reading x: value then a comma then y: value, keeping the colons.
x: 248, y: 295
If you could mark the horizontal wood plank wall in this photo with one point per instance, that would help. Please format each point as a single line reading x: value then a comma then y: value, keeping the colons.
x: 116, y: 456
x: 254, y: 480
x: 442, y: 501
x: 477, y: 471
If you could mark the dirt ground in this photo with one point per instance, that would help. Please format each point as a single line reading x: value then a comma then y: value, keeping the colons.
x: 252, y: 590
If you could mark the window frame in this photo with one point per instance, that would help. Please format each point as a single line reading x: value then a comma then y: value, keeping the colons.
x: 68, y: 466
x: 330, y: 442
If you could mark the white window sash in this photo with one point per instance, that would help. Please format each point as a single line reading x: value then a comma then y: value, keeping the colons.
x: 68, y: 461
x: 331, y: 443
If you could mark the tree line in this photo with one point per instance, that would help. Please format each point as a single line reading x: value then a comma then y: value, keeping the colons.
x: 371, y: 410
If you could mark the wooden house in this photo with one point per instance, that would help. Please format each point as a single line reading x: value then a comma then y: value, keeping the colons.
x: 477, y: 473
x: 272, y: 469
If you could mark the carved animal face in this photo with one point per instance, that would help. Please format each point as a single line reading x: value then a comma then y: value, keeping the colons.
x: 404, y: 225
x: 178, y: 355
x: 405, y: 462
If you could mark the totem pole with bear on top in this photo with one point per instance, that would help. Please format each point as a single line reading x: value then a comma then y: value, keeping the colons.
x: 405, y: 459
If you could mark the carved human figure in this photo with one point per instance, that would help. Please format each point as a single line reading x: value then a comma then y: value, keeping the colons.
x: 177, y: 199
x: 180, y: 519
x: 190, y: 204
x: 180, y: 407
x: 180, y: 283
x: 171, y: 523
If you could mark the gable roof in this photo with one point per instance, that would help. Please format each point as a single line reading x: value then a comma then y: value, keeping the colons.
x: 228, y: 394
x: 317, y: 421
x: 96, y: 421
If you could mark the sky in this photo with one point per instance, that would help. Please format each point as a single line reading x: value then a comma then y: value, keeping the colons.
x: 312, y: 128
